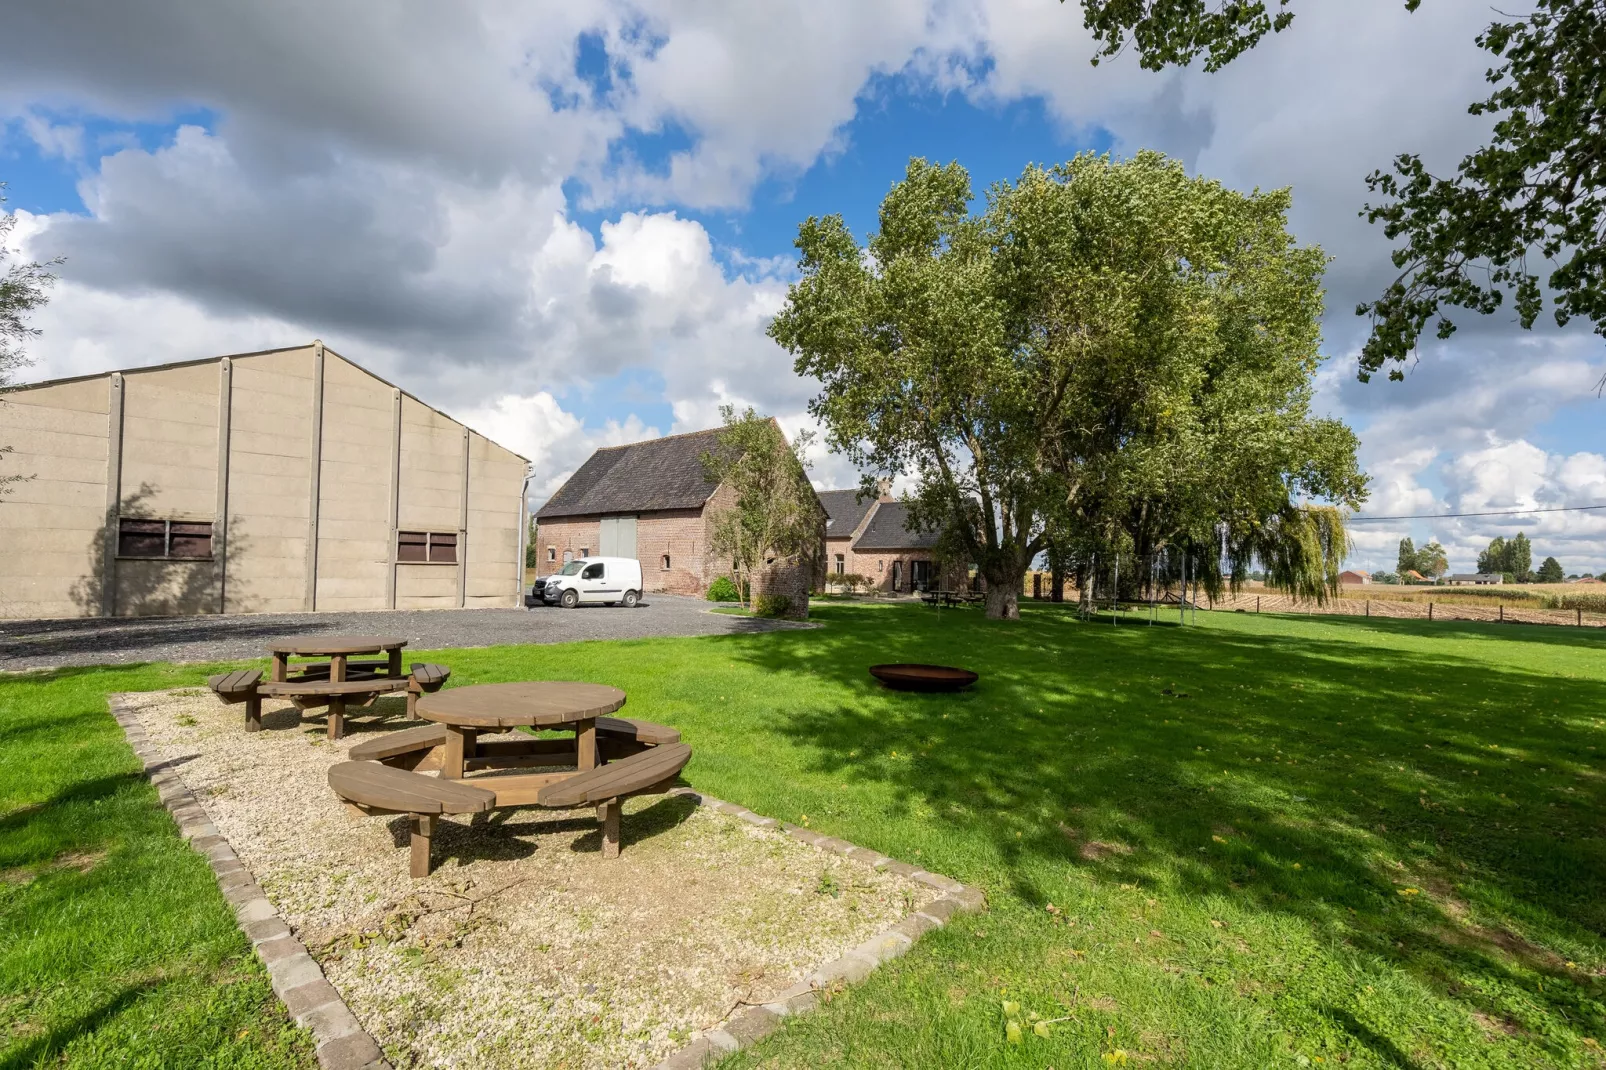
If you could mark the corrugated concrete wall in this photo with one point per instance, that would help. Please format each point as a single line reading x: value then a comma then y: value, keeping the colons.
x: 52, y: 524
x: 280, y: 451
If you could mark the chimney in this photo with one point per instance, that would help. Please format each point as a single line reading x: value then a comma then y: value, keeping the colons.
x: 884, y: 489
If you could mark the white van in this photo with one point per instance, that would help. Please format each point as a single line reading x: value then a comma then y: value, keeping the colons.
x: 608, y: 580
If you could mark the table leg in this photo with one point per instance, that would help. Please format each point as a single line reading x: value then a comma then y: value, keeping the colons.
x: 585, y: 743
x: 395, y: 662
x: 281, y: 668
x: 423, y: 828
x: 253, y: 713
x: 452, y: 760
x: 337, y: 705
x: 608, y: 815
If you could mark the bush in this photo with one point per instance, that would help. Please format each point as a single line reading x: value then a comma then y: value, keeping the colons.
x: 852, y: 581
x: 772, y: 605
x: 724, y: 590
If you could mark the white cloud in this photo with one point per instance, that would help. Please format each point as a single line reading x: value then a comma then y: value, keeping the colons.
x: 392, y: 179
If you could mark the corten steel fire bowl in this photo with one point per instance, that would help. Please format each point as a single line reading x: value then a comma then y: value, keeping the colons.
x: 923, y: 677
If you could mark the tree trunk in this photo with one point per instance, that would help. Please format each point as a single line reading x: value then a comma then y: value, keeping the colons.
x: 1003, y: 599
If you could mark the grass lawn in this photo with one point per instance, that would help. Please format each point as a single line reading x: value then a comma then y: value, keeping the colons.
x: 1261, y: 841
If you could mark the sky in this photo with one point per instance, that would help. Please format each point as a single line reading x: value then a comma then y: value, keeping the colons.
x: 569, y: 223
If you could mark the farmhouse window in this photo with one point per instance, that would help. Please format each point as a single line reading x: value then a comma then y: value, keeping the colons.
x: 665, y: 564
x: 841, y: 564
x: 585, y: 551
x: 432, y: 547
x: 164, y: 539
x: 551, y: 553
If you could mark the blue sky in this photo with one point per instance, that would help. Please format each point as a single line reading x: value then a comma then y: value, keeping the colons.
x: 569, y: 224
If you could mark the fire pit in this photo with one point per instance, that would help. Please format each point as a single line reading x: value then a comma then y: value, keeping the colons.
x: 923, y: 677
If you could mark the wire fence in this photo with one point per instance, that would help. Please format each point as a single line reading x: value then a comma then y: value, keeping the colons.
x: 1039, y: 587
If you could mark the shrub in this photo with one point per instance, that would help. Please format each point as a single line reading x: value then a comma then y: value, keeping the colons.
x: 772, y: 605
x: 852, y: 581
x: 724, y: 590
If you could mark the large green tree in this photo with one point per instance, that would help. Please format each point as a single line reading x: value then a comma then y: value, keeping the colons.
x: 1064, y: 355
x: 1513, y: 557
x: 1550, y: 572
x: 1535, y: 193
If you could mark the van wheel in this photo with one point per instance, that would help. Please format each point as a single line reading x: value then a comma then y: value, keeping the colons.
x: 631, y: 598
x: 569, y: 599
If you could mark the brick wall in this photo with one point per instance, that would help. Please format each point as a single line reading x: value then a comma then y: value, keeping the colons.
x: 789, y: 577
x: 679, y: 534
x: 571, y: 534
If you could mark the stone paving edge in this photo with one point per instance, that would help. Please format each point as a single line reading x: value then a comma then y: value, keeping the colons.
x: 754, y: 1023
x: 297, y: 979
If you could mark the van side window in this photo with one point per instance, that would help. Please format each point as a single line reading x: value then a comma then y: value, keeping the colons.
x: 592, y: 572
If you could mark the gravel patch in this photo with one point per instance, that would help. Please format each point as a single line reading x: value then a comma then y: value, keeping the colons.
x: 48, y: 644
x: 525, y: 948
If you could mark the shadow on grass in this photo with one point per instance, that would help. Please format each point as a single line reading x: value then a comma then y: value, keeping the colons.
x: 1423, y: 807
x: 47, y: 1048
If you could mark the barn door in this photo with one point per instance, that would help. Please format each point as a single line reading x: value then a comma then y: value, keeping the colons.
x: 617, y: 537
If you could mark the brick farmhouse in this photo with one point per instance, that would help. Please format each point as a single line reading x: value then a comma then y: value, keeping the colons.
x: 871, y: 537
x: 653, y: 501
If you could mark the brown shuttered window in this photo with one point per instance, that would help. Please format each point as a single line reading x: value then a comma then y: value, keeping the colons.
x: 189, y: 540
x: 412, y: 546
x: 434, y: 547
x: 164, y: 539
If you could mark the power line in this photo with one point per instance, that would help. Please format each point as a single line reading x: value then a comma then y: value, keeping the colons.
x: 1497, y: 512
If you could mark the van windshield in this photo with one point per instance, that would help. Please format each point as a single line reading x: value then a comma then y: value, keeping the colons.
x: 573, y: 568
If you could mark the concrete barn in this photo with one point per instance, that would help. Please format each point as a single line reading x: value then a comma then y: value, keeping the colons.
x: 651, y: 501
x: 288, y: 480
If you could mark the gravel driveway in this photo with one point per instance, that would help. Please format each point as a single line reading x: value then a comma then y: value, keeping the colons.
x: 39, y: 644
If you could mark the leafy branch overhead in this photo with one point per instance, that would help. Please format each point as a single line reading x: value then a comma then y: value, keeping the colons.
x: 1523, y: 216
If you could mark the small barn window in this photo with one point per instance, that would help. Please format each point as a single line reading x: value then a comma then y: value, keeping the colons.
x: 664, y: 563
x: 585, y: 551
x: 432, y: 547
x: 164, y: 539
x: 551, y: 553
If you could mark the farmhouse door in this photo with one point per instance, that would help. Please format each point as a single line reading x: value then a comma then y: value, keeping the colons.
x: 919, y: 575
x: 618, y: 537
x: 897, y: 575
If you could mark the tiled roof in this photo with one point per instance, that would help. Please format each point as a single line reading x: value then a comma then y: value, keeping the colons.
x: 846, y: 510
x: 889, y: 530
x: 643, y: 477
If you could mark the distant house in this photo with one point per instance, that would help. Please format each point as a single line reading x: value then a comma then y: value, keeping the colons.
x: 1355, y: 576
x: 1475, y: 579
x: 648, y: 500
x: 870, y: 537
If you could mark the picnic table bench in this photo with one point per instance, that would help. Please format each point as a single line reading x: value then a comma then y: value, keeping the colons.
x: 608, y: 760
x: 336, y: 684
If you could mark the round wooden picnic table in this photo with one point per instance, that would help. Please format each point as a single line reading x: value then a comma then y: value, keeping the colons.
x: 337, y: 648
x: 467, y: 711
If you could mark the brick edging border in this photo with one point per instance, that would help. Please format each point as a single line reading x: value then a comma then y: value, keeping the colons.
x: 343, y: 1044
x: 298, y: 980
x: 754, y: 1023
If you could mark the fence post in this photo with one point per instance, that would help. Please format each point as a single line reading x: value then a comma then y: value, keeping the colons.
x: 1502, y: 612
x: 1368, y: 607
x: 1430, y: 611
x: 1257, y: 603
x: 1580, y: 617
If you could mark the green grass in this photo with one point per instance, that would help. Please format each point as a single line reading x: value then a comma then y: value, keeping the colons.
x: 1267, y: 841
x: 116, y: 947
